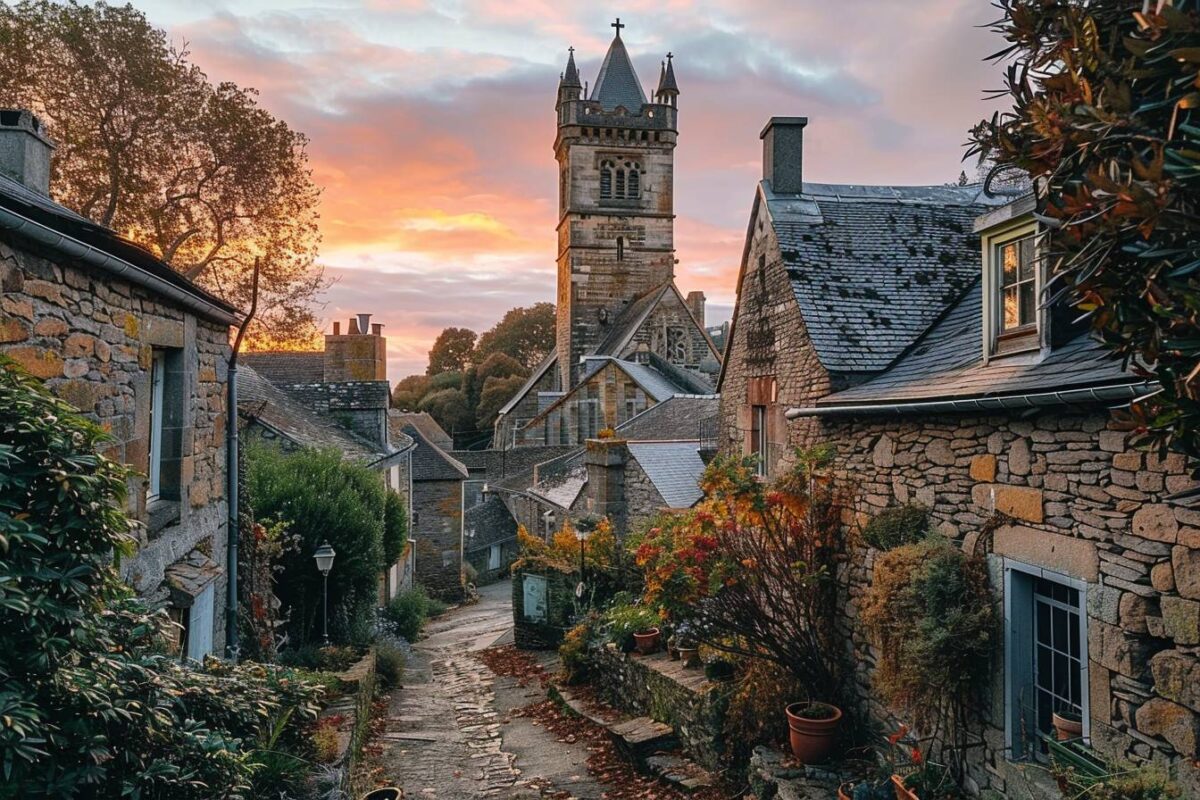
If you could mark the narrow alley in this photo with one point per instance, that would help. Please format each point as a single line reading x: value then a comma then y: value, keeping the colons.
x: 451, y: 731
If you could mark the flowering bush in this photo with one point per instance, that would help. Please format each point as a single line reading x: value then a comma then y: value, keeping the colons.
x: 750, y: 567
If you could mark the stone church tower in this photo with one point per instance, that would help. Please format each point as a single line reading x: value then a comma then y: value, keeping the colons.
x: 615, y: 153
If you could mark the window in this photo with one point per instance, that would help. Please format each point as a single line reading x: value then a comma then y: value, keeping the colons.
x: 620, y: 248
x: 620, y: 181
x: 677, y: 345
x: 494, y: 557
x: 1046, y: 649
x: 758, y: 437
x: 166, y: 424
x: 606, y: 180
x: 548, y: 522
x: 1018, y: 285
x: 634, y: 188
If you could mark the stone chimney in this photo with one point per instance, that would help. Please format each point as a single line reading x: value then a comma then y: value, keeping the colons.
x: 783, y: 154
x: 25, y: 150
x: 695, y: 302
x: 358, y: 355
x: 605, y: 461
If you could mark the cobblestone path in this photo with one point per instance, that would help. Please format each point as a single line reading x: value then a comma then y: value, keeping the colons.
x: 448, y: 726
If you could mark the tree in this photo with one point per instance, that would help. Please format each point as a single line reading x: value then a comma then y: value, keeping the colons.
x: 496, y: 392
x: 499, y: 365
x: 452, y: 351
x: 1105, y: 119
x: 321, y: 497
x: 197, y: 173
x: 450, y: 408
x: 525, y: 334
x: 395, y: 528
x: 409, y: 391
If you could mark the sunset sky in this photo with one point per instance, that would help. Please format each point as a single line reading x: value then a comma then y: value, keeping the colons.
x: 432, y: 124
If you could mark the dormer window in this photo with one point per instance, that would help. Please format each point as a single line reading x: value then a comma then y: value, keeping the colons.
x: 1013, y: 317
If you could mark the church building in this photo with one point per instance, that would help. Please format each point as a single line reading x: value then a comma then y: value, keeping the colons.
x: 627, y: 338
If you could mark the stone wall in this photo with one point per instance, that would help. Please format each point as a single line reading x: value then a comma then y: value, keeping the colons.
x: 438, y: 538
x: 545, y: 632
x: 358, y: 406
x: 1076, y: 500
x: 91, y: 338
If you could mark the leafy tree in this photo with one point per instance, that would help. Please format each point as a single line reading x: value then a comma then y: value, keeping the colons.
x: 322, y: 498
x: 496, y: 392
x: 500, y: 365
x: 450, y: 408
x: 197, y: 172
x: 446, y: 380
x: 409, y: 391
x: 451, y: 351
x: 526, y: 334
x: 90, y: 703
x: 395, y: 528
x: 1105, y: 118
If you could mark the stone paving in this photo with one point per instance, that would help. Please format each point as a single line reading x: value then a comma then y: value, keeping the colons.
x: 449, y: 735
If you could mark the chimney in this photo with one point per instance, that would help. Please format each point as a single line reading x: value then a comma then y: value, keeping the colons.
x: 337, y: 329
x: 24, y: 150
x: 359, y: 355
x: 364, y: 323
x: 377, y: 329
x: 783, y: 154
x: 695, y: 302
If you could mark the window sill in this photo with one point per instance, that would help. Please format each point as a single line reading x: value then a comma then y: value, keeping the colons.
x: 1021, y: 340
x: 161, y: 514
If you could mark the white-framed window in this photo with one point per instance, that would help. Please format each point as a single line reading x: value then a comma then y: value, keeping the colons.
x: 1018, y: 284
x: 758, y: 438
x: 494, y: 557
x: 1013, y: 287
x: 1046, y: 655
x: 158, y: 375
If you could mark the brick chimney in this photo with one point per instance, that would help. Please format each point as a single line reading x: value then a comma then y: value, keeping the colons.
x: 358, y: 355
x: 783, y: 154
x: 25, y: 150
x: 695, y: 302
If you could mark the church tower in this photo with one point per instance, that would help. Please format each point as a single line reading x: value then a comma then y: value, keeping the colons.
x: 615, y: 153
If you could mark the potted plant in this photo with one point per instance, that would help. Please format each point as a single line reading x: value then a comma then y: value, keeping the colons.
x: 646, y: 641
x: 928, y: 782
x: 673, y: 647
x: 811, y: 730
x: 1067, y: 724
x: 719, y: 669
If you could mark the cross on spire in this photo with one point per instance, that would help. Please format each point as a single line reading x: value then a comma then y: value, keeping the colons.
x: 618, y: 26
x: 670, y: 56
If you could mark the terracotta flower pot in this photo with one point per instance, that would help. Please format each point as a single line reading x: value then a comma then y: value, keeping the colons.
x: 902, y: 791
x: 844, y: 790
x: 690, y: 657
x: 646, y: 641
x: 811, y: 739
x: 1067, y: 725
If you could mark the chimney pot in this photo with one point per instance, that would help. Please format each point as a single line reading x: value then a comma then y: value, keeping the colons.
x: 783, y: 154
x: 352, y: 328
x: 364, y: 323
x: 377, y: 329
x: 337, y: 329
x: 25, y: 150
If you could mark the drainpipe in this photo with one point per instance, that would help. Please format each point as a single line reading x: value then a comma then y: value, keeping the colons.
x: 233, y: 526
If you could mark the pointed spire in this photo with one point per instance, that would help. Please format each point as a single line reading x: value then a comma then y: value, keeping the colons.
x: 667, y: 82
x: 618, y: 84
x: 571, y: 76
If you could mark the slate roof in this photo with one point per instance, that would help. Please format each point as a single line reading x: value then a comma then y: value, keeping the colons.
x: 36, y: 207
x: 618, y: 84
x: 872, y: 267
x: 430, y: 462
x: 678, y: 417
x: 286, y: 367
x: 261, y: 401
x: 550, y: 360
x: 398, y: 420
x: 674, y: 468
x: 491, y: 524
x: 563, y: 488
x: 947, y: 362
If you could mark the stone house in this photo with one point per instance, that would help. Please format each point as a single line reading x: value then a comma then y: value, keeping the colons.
x: 616, y: 254
x: 437, y: 513
x: 141, y: 350
x: 335, y: 398
x: 949, y: 385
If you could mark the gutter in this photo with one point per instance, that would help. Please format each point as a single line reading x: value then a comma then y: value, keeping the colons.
x: 92, y: 256
x: 1101, y: 394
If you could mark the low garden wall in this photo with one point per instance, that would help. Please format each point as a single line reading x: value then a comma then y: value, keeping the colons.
x: 666, y: 691
x: 355, y: 709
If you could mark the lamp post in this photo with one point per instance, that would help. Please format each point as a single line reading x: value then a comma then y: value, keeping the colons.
x: 581, y: 535
x: 324, y: 558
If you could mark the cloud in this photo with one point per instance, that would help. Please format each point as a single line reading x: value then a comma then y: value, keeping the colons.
x: 431, y: 125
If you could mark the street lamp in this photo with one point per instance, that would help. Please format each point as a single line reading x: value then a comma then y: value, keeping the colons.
x: 324, y: 558
x: 581, y: 535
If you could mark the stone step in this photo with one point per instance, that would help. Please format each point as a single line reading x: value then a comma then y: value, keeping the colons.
x: 637, y: 738
x: 680, y: 772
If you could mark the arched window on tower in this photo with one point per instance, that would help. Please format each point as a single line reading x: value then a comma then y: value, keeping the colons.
x: 620, y: 183
x: 606, y: 180
x: 633, y: 188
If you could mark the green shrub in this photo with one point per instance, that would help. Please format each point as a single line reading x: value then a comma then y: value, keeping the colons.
x: 895, y: 527
x: 91, y: 703
x: 572, y: 653
x: 409, y: 610
x: 395, y: 528
x: 389, y: 665
x: 322, y: 498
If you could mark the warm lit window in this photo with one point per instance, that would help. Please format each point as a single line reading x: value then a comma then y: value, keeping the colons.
x: 1018, y: 285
